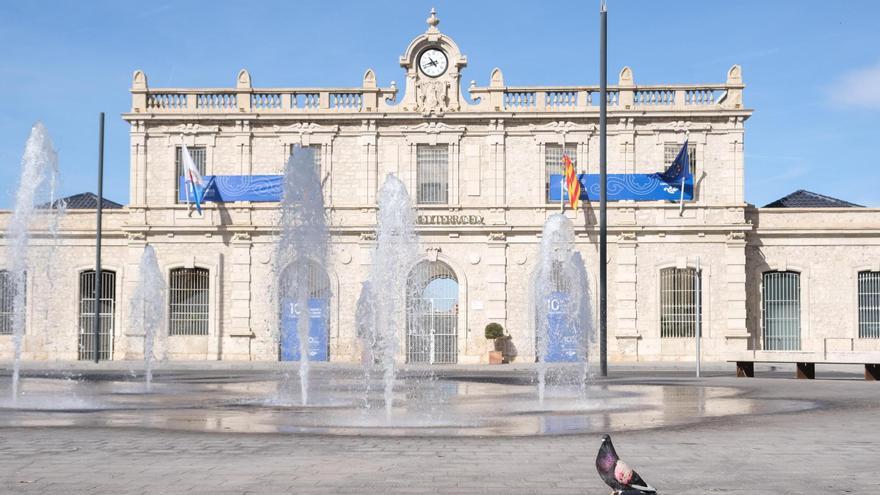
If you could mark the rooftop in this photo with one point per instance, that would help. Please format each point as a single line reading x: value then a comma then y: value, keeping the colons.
x: 83, y: 201
x: 807, y: 199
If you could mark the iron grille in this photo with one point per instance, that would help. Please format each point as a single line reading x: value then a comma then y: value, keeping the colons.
x: 869, y: 305
x: 316, y: 154
x: 670, y: 151
x: 199, y: 158
x: 7, y: 302
x: 553, y: 162
x: 781, y: 309
x: 432, y: 314
x: 188, y: 293
x: 432, y: 174
x: 678, y: 303
x: 87, y: 315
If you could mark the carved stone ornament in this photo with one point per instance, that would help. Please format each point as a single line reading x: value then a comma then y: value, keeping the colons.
x: 136, y: 236
x: 736, y: 236
x: 626, y: 236
x: 432, y: 253
x: 497, y: 236
x: 187, y: 129
x: 368, y: 236
x: 432, y: 97
x: 241, y: 236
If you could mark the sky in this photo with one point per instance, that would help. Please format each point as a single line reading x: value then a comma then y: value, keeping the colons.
x: 811, y: 68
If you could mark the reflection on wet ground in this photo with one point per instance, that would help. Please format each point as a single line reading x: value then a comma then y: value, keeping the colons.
x: 426, y: 404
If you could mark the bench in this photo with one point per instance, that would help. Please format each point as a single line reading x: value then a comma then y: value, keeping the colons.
x: 805, y: 362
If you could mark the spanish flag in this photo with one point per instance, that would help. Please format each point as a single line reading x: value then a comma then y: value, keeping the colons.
x: 572, y: 182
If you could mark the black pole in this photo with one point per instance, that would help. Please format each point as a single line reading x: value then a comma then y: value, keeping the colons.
x: 98, y: 238
x: 603, y: 191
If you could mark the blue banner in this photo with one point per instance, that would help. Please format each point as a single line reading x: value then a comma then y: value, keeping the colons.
x: 637, y: 187
x: 563, y: 339
x: 229, y: 188
x: 318, y: 335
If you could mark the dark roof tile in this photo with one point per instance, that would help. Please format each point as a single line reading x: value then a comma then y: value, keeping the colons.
x: 806, y: 199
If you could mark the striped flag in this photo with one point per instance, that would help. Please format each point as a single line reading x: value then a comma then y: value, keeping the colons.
x: 194, y: 182
x: 571, y: 182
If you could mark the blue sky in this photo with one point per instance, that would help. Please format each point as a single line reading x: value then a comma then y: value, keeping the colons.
x: 812, y: 69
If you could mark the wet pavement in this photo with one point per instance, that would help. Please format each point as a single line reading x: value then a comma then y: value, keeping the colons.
x: 460, y: 431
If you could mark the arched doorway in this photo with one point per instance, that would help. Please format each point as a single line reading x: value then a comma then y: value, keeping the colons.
x: 87, y: 306
x: 432, y: 314
x: 314, y: 279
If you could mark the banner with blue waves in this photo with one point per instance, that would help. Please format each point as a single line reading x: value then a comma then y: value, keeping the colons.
x: 230, y: 188
x: 636, y: 187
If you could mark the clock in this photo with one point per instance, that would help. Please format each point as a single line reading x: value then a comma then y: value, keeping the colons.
x: 433, y: 62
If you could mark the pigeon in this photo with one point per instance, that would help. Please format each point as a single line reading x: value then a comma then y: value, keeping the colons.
x: 617, y: 474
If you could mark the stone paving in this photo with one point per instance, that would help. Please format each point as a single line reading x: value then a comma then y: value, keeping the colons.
x: 828, y: 450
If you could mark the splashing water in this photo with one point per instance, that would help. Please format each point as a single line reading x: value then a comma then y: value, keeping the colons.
x: 396, y: 251
x: 39, y: 179
x: 563, y: 324
x: 301, y: 257
x: 148, y: 310
x: 365, y: 319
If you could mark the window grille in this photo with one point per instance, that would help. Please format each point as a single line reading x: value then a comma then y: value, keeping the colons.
x: 199, y: 158
x: 188, y: 302
x: 87, y: 314
x: 678, y: 303
x: 316, y: 153
x: 553, y: 162
x: 781, y: 309
x: 432, y: 174
x: 7, y: 302
x: 670, y: 151
x: 869, y: 305
x: 432, y: 314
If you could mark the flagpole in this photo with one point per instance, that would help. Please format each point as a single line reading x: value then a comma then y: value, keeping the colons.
x: 681, y: 201
x: 562, y: 195
x: 603, y: 190
x: 97, y: 325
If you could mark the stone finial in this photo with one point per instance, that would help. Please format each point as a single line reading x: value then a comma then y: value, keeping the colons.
x: 496, y: 78
x: 734, y: 75
x: 369, y: 79
x: 139, y: 80
x: 244, y: 79
x: 626, y: 77
x: 433, y: 21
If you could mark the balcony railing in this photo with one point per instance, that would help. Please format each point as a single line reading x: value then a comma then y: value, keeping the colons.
x: 496, y: 97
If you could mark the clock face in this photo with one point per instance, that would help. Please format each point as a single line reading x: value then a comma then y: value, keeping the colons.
x: 433, y: 62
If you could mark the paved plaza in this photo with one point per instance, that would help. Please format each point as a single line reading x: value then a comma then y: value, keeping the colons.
x: 826, y: 449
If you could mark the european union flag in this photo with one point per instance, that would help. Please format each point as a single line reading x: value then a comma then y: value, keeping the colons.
x: 679, y: 170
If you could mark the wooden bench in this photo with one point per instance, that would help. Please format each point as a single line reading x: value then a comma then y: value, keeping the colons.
x: 805, y: 362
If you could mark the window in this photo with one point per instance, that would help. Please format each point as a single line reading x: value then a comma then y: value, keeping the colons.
x: 316, y: 149
x: 781, y: 309
x: 670, y: 151
x: 553, y: 162
x: 432, y: 174
x: 87, y: 314
x: 7, y: 302
x: 198, y: 155
x: 678, y: 302
x: 869, y: 305
x: 188, y: 302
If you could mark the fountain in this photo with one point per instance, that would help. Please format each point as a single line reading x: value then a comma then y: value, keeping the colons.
x: 301, y: 259
x: 148, y: 309
x: 562, y: 321
x: 396, y: 251
x: 39, y: 179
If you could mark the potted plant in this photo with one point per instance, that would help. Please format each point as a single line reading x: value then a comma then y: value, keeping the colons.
x: 495, y: 332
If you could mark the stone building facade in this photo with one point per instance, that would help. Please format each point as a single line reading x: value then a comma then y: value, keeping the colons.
x: 491, y: 145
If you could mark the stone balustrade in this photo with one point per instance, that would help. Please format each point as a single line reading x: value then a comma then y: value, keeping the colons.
x: 496, y: 97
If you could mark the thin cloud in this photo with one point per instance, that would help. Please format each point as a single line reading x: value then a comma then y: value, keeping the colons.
x: 858, y: 88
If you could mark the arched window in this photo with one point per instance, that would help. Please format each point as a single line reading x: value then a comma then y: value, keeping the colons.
x: 86, y: 342
x: 432, y: 314
x: 678, y: 303
x: 7, y: 302
x: 781, y: 311
x: 869, y: 305
x: 188, y: 301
